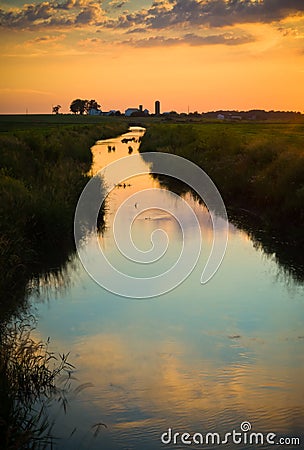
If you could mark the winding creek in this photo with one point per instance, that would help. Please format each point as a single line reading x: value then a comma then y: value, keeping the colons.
x: 197, y: 359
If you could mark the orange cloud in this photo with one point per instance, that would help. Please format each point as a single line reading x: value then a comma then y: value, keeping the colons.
x: 45, y: 40
x: 183, y: 58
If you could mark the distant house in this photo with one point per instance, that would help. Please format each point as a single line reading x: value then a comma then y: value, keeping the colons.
x: 136, y: 112
x: 94, y: 112
x: 220, y: 116
x: 130, y: 111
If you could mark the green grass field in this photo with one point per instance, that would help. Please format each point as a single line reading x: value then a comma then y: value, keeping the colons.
x: 259, y: 167
x: 42, y: 173
x: 21, y: 122
x: 43, y: 121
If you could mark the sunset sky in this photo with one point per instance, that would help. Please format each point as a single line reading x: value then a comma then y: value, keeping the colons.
x: 205, y: 54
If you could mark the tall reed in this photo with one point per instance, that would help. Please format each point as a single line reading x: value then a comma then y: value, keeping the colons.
x: 31, y: 378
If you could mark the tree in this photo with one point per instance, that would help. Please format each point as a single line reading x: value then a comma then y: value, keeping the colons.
x: 56, y: 109
x: 79, y: 106
x: 92, y: 104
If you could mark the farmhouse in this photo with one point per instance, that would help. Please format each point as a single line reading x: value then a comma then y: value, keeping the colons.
x: 130, y: 111
x: 94, y: 112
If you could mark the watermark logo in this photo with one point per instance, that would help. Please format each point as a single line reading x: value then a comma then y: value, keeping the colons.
x: 244, y: 436
x: 120, y: 171
x: 246, y: 426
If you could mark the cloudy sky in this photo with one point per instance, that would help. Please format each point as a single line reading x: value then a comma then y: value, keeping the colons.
x: 205, y: 54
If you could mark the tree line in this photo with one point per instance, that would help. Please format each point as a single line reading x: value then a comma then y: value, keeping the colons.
x: 79, y: 106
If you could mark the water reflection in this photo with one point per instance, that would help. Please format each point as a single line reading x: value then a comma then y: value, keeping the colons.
x: 283, y: 249
x: 196, y: 359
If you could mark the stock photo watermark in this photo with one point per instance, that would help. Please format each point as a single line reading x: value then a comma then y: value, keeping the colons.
x: 86, y: 217
x: 243, y: 436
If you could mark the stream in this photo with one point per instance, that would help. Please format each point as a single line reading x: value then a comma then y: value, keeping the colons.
x: 198, y: 359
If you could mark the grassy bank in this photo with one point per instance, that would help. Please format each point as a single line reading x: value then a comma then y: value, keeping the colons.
x: 43, y: 166
x: 31, y: 379
x: 258, y: 169
x: 13, y: 122
x: 41, y: 177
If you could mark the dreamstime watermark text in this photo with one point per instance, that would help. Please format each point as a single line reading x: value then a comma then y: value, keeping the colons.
x: 243, y: 436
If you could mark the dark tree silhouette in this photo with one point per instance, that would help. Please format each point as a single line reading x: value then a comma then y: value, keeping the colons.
x: 56, y: 109
x: 92, y: 104
x: 79, y: 106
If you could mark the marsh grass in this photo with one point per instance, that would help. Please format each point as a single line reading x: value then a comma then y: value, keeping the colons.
x: 258, y: 167
x: 43, y: 169
x: 12, y: 122
x: 42, y: 173
x: 31, y: 378
x: 259, y: 171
